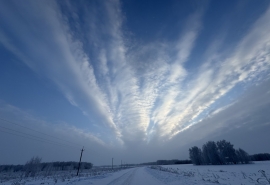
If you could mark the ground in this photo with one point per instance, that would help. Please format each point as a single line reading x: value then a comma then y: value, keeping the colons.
x: 257, y: 173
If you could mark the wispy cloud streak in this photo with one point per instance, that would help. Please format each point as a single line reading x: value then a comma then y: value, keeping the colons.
x: 136, y: 93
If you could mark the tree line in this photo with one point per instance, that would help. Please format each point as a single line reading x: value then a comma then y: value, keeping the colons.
x: 173, y: 161
x: 35, y: 165
x: 218, y: 153
x: 260, y: 157
x: 167, y: 162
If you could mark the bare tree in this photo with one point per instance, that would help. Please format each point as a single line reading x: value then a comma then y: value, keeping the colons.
x: 226, y: 152
x: 32, y: 166
x: 195, y: 155
x: 218, y: 153
x: 212, y: 152
x: 243, y: 156
x: 205, y: 152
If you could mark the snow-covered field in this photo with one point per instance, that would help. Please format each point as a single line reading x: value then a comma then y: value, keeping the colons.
x: 257, y: 173
x: 54, y: 177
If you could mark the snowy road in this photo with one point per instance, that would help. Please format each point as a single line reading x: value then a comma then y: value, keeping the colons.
x: 132, y: 176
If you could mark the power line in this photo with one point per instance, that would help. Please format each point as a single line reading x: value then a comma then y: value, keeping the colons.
x: 40, y: 138
x: 34, y: 139
x: 38, y: 131
x: 29, y: 136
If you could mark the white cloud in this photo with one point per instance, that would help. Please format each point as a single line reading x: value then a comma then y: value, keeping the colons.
x: 250, y: 58
x: 62, y: 59
x: 63, y: 138
x: 139, y: 92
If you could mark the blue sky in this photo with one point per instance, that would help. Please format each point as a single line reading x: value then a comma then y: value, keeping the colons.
x: 129, y: 76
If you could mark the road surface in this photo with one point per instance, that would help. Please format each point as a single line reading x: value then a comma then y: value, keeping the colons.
x: 133, y: 176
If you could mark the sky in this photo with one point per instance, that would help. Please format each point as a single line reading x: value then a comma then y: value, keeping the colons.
x: 132, y: 80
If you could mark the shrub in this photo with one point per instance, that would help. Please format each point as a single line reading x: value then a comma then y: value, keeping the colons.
x: 32, y: 166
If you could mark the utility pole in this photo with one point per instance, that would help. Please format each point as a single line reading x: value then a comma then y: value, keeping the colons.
x: 80, y: 161
x: 112, y: 163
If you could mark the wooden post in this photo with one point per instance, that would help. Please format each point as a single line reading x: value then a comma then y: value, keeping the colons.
x: 80, y: 161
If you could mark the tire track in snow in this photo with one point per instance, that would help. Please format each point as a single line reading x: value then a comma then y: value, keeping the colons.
x: 125, y: 179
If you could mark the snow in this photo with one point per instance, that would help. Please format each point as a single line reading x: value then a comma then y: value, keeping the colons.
x: 220, y: 174
x: 257, y: 173
x: 132, y: 176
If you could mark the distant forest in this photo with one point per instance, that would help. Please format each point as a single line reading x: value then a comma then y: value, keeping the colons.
x: 260, y: 157
x: 168, y: 162
x: 222, y: 152
x: 36, y: 164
